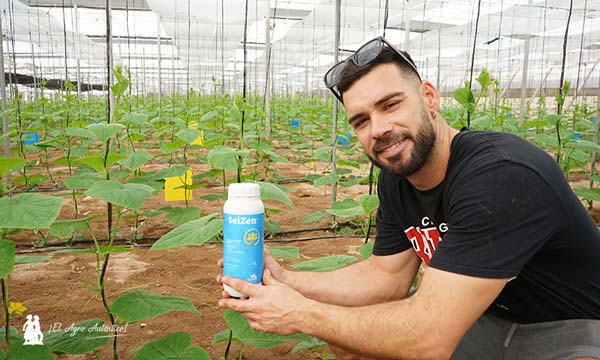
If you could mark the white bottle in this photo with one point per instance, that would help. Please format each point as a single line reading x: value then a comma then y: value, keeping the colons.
x: 243, y: 235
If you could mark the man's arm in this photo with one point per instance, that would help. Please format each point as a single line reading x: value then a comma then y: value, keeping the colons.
x: 428, y: 325
x: 374, y: 280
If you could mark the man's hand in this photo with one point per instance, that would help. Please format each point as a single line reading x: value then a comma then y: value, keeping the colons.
x: 272, y: 307
x: 278, y: 272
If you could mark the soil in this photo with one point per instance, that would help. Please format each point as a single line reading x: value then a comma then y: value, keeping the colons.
x: 60, y: 290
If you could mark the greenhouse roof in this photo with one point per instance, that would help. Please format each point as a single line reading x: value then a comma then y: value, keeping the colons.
x: 173, y: 45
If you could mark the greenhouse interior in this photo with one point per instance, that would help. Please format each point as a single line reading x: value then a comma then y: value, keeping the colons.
x: 126, y: 121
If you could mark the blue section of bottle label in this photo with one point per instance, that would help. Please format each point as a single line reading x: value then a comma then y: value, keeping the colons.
x: 243, y: 238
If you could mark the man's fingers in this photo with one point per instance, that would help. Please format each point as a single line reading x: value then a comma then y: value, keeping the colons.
x: 220, y: 263
x: 240, y: 285
x: 268, y: 278
x: 234, y: 304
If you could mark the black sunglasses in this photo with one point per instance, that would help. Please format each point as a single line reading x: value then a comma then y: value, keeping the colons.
x: 361, y: 57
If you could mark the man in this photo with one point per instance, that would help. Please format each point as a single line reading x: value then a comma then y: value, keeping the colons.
x: 513, y: 256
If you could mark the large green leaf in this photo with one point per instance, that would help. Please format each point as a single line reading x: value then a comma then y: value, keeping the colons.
x: 10, y: 164
x: 366, y: 250
x: 83, y: 133
x: 465, y: 97
x: 102, y: 249
x: 180, y: 215
x: 172, y: 347
x: 97, y: 162
x: 65, y: 228
x: 552, y: 119
x: 28, y: 352
x: 7, y: 257
x: 29, y: 211
x: 225, y: 158
x: 195, y: 232
x: 80, y: 338
x: 273, y: 192
x: 131, y: 196
x: 242, y: 331
x: 13, y: 334
x: 583, y: 145
x: 326, y: 180
x: 314, y: 216
x: 25, y: 259
x: 81, y: 181
x: 104, y: 132
x: 484, y: 79
x: 587, y: 193
x: 284, y: 252
x: 348, y: 208
x: 368, y: 202
x: 141, y: 305
x: 188, y: 135
x: 326, y: 263
x: 173, y: 171
x: 310, y: 343
x: 136, y: 159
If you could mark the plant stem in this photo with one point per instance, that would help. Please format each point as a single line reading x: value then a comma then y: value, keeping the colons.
x: 228, y: 344
x: 6, y: 313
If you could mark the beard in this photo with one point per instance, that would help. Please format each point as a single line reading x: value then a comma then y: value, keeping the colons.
x: 424, y: 142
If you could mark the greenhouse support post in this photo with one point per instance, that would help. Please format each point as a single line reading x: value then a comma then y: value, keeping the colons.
x: 79, y: 49
x: 159, y: 62
x: 267, y: 73
x: 524, y: 84
x: 3, y: 94
x: 335, y: 102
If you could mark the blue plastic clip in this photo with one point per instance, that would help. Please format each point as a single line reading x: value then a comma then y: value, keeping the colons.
x: 30, y: 138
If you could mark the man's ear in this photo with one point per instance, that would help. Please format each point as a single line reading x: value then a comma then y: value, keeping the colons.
x: 430, y: 95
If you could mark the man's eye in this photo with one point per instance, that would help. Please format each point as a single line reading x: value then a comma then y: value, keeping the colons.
x: 358, y: 123
x: 390, y: 105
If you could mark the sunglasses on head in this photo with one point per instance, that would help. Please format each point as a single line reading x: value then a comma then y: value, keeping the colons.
x: 363, y: 56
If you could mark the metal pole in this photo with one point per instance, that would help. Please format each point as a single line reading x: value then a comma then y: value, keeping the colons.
x: 35, y: 78
x: 109, y: 60
x: 3, y: 94
x: 78, y: 60
x: 524, y: 81
x: 267, y: 73
x: 338, y: 6
x: 159, y: 62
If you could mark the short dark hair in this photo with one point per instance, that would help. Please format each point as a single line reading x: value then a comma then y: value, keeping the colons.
x: 353, y: 73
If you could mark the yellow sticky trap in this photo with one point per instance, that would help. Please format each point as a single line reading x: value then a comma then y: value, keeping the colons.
x: 200, y: 139
x: 175, y: 190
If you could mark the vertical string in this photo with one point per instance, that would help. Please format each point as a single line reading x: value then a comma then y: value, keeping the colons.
x: 562, y: 80
x: 473, y: 57
x: 239, y: 172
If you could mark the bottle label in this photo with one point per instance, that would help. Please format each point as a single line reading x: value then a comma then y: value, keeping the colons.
x: 243, y: 238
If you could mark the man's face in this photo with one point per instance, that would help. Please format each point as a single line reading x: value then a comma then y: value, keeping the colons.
x: 390, y: 119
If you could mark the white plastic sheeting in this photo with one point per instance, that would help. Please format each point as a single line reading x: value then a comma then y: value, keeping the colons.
x: 202, y: 40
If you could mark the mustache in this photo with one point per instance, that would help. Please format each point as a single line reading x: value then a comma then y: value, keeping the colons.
x: 387, y: 139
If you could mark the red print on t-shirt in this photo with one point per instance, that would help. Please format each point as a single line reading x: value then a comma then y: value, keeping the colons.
x: 424, y: 241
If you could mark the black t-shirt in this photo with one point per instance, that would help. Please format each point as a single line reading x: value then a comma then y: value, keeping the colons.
x: 504, y: 210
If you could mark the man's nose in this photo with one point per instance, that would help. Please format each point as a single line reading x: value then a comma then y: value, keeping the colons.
x: 380, y: 125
